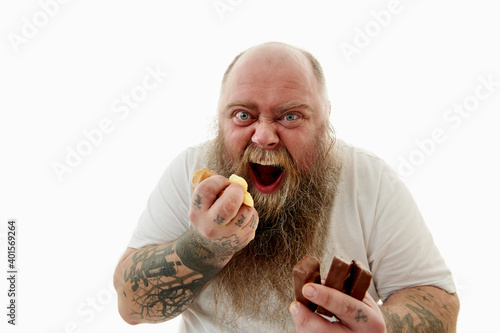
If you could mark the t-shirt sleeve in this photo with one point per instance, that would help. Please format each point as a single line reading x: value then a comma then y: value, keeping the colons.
x: 401, y: 249
x: 165, y: 217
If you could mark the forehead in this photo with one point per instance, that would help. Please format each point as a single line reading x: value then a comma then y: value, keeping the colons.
x: 271, y: 68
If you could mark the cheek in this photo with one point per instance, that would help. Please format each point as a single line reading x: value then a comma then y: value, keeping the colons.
x: 302, y: 148
x: 304, y: 156
x: 236, y: 140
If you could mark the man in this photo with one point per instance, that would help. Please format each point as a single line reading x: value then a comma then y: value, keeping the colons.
x: 227, y: 267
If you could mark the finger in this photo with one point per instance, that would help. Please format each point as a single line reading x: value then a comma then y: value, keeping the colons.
x: 245, y: 216
x: 254, y: 222
x: 251, y: 226
x: 226, y: 208
x: 370, y: 301
x: 350, y: 311
x: 207, y: 192
x: 307, y: 321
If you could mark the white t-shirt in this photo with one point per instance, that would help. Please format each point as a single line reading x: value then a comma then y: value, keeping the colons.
x: 374, y: 220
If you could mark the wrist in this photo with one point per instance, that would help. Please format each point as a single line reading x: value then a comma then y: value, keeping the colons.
x: 201, y: 254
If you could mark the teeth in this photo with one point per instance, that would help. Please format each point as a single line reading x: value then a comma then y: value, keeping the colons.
x: 267, y: 163
x: 263, y: 161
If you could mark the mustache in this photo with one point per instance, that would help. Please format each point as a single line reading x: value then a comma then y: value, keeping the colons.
x: 275, y: 157
x: 278, y: 157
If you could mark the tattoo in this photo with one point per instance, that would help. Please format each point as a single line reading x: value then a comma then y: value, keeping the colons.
x: 418, y: 319
x: 166, y: 279
x: 219, y: 219
x: 239, y: 223
x: 197, y: 201
x: 361, y: 316
x: 254, y: 222
x: 198, y: 254
x: 230, y: 243
x: 204, y: 255
x: 160, y: 291
x: 427, y: 322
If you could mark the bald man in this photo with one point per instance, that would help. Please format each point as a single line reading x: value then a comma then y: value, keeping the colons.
x: 226, y: 266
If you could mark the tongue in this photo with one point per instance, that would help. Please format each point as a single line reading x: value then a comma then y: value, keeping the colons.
x: 267, y: 174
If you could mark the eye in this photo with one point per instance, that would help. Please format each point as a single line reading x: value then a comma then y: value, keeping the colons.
x: 242, y: 115
x: 291, y: 120
x: 243, y: 118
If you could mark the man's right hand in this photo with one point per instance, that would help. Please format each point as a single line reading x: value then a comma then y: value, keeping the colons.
x: 224, y: 221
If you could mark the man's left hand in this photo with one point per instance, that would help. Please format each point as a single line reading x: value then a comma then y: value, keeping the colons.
x: 354, y: 315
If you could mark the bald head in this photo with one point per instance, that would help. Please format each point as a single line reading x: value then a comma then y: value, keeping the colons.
x: 275, y: 53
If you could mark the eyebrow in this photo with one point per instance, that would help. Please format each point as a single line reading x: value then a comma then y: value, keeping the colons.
x: 251, y: 106
x: 279, y: 110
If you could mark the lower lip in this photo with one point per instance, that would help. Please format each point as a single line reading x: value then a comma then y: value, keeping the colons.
x: 266, y: 189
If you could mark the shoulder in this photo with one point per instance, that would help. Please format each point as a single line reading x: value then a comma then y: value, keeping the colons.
x: 175, y: 182
x: 187, y: 161
x: 363, y: 167
x: 358, y: 156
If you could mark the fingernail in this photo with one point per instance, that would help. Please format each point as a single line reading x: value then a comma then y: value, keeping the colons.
x: 309, y: 291
x: 294, y: 308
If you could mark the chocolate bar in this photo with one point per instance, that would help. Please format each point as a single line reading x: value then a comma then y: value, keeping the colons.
x: 348, y: 277
x: 340, y: 270
x: 305, y: 271
x: 359, y: 281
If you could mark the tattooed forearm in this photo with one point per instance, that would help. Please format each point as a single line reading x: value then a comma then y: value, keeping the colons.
x: 204, y: 255
x: 161, y: 287
x: 159, y: 282
x: 422, y: 309
x: 426, y: 321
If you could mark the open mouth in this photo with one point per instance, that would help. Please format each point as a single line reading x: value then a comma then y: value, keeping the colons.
x: 266, y: 178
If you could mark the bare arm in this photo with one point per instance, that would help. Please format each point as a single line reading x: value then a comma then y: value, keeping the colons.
x: 158, y: 282
x: 421, y: 309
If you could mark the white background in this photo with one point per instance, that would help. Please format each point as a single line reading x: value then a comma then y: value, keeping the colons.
x: 66, y: 75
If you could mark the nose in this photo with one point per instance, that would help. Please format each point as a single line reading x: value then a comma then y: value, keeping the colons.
x: 265, y: 136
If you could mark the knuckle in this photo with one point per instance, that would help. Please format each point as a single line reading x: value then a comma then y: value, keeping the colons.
x: 212, y: 186
x: 193, y: 215
x: 230, y: 207
x: 206, y: 231
x: 301, y: 323
x: 209, y: 233
x: 250, y: 234
x: 329, y: 301
x: 205, y: 189
x: 347, y: 309
x: 251, y: 237
x: 248, y: 211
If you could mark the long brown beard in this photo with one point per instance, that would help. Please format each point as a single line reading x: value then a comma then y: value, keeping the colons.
x: 256, y: 284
